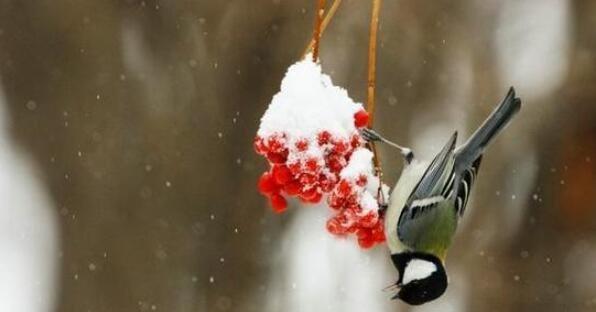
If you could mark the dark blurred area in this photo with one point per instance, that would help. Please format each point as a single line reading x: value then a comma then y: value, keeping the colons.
x: 138, y: 117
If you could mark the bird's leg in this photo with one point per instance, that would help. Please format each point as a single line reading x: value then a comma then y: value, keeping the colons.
x: 372, y: 136
x: 383, y: 209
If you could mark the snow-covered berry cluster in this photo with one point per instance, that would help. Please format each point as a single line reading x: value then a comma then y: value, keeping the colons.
x: 301, y: 170
x: 309, y: 135
x: 354, y: 199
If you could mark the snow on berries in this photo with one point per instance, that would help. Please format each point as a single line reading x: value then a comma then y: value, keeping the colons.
x: 354, y: 199
x: 309, y: 135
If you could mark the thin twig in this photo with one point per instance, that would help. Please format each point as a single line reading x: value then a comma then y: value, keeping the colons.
x: 370, y: 99
x: 324, y: 25
x: 372, y: 59
x: 316, y: 36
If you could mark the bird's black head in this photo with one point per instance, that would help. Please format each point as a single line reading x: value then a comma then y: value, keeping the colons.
x: 422, y: 277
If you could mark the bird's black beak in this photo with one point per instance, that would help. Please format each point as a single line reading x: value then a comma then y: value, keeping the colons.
x: 392, y: 288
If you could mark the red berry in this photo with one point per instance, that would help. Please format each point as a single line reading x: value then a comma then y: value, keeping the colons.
x: 361, y: 180
x: 259, y: 146
x: 278, y: 203
x: 356, y: 141
x: 316, y: 198
x: 267, y: 184
x: 302, y: 145
x: 366, y: 243
x: 335, y: 163
x: 277, y: 157
x: 308, y: 179
x: 309, y: 194
x: 344, y: 189
x: 293, y: 188
x: 323, y: 137
x: 361, y: 119
x: 311, y: 165
x: 275, y: 143
x: 378, y: 233
x: 281, y: 174
x: 334, y: 227
x: 362, y: 233
x: 294, y: 168
x: 335, y: 202
x: 326, y: 182
x: 369, y: 220
x: 353, y: 229
x: 340, y: 147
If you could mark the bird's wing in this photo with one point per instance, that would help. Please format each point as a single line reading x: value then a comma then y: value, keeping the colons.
x: 437, y: 177
x: 430, y: 207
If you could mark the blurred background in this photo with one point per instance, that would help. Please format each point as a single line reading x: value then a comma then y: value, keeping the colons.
x: 128, y: 178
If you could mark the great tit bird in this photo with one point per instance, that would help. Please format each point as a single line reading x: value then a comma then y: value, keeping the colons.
x: 427, y: 203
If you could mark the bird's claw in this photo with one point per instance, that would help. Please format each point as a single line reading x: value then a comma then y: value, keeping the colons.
x: 370, y: 135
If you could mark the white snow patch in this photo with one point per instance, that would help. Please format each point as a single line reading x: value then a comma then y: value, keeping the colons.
x: 418, y: 269
x: 360, y: 164
x: 368, y: 202
x: 309, y: 103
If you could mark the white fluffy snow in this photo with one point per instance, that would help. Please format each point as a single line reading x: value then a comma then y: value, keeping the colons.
x: 418, y: 269
x: 360, y: 164
x: 308, y: 103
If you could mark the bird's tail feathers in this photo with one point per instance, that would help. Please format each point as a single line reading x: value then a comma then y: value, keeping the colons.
x: 495, y: 122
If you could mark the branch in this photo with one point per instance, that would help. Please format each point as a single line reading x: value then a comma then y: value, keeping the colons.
x: 324, y: 25
x: 372, y: 60
x: 370, y: 100
x: 316, y: 36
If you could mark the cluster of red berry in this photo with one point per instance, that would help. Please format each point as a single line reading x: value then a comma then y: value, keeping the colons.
x: 309, y: 172
x: 290, y: 174
x: 346, y: 198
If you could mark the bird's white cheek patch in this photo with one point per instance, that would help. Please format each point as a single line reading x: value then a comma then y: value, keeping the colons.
x: 418, y: 269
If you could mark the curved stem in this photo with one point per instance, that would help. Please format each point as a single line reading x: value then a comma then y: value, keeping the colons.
x: 370, y: 99
x: 316, y: 37
x: 372, y: 60
x: 324, y: 24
